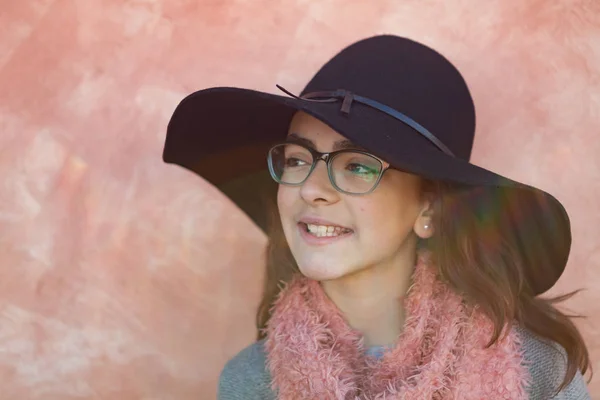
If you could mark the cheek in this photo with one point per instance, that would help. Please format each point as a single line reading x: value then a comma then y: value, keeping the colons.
x: 285, y: 208
x: 373, y: 220
x: 286, y: 198
x: 383, y: 220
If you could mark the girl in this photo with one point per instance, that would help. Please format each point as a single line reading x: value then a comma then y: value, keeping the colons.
x: 396, y: 268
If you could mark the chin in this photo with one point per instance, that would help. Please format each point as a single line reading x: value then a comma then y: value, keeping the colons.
x: 321, y: 271
x: 318, y: 275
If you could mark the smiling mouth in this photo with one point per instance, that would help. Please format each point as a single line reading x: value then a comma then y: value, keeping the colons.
x: 324, y: 230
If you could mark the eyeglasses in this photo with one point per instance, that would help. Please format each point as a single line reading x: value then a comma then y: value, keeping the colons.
x: 350, y: 171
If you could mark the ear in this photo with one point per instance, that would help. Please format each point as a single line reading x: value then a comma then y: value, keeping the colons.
x: 424, y: 223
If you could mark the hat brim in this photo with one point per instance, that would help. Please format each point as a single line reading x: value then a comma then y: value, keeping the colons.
x: 223, y: 134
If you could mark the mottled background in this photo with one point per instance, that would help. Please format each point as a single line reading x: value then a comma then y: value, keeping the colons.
x: 124, y: 278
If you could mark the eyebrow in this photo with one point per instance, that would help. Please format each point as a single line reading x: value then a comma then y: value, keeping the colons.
x: 338, y: 145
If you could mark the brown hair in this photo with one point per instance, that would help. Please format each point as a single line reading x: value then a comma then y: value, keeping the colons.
x: 479, y: 254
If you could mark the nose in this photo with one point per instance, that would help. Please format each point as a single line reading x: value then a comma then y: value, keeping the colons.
x: 317, y: 189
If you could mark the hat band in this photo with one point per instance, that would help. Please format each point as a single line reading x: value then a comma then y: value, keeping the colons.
x: 347, y: 98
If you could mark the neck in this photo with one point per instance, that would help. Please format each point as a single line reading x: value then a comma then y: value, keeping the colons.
x: 372, y: 298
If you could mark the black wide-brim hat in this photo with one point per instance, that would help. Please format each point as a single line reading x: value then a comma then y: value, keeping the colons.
x: 397, y: 98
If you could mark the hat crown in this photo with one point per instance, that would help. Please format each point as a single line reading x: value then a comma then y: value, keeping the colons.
x: 409, y: 77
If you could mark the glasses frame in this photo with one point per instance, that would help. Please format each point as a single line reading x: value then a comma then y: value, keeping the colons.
x: 328, y: 159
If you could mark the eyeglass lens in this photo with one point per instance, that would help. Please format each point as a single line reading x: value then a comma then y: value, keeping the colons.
x: 350, y: 171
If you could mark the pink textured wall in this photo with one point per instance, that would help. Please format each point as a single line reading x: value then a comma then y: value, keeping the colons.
x: 124, y: 278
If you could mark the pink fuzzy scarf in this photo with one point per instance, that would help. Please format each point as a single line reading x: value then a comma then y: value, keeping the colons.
x: 312, y: 353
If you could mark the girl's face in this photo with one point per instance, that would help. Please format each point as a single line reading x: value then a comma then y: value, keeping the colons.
x: 369, y: 231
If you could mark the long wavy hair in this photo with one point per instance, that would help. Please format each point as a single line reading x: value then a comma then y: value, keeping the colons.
x: 479, y: 254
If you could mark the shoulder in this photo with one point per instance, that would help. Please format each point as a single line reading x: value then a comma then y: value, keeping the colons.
x: 245, y: 376
x: 547, y: 362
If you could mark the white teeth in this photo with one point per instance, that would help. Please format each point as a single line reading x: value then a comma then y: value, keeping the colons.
x: 325, y: 231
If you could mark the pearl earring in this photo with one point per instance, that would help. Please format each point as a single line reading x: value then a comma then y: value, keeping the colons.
x: 426, y: 226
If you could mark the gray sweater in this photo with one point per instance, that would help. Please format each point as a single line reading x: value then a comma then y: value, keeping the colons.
x: 245, y: 376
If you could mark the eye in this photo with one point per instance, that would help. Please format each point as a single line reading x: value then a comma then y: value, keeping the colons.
x: 360, y: 169
x: 291, y: 162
